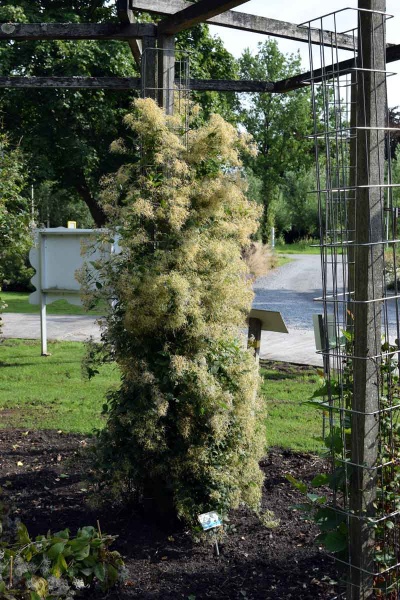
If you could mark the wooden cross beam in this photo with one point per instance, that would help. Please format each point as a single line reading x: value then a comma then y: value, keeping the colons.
x: 245, y: 22
x: 131, y: 83
x: 75, y: 31
x: 127, y: 17
x: 196, y: 13
x: 94, y: 83
x: 343, y: 67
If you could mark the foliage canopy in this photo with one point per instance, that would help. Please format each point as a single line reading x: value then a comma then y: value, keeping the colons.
x: 278, y: 123
x: 65, y: 133
x: 15, y: 238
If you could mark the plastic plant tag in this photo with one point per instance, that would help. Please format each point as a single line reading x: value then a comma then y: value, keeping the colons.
x: 210, y: 520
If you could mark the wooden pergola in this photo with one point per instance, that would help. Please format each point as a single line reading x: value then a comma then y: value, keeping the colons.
x: 369, y: 110
x: 179, y: 15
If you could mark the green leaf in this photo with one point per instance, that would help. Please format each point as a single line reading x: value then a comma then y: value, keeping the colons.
x: 327, y: 519
x: 99, y: 571
x: 300, y: 485
x: 112, y: 575
x: 55, y: 550
x: 64, y: 534
x: 61, y: 563
x: 83, y: 552
x: 348, y: 335
x: 316, y: 499
x: 22, y: 534
x: 334, y: 541
x: 319, y: 480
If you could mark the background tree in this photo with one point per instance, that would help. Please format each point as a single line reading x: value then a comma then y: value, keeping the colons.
x: 296, y: 209
x: 277, y: 122
x: 184, y: 428
x: 66, y: 134
x: 15, y: 238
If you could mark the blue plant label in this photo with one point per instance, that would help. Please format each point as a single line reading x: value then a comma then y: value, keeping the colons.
x: 210, y: 520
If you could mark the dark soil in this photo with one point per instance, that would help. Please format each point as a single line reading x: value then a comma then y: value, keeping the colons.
x: 50, y: 492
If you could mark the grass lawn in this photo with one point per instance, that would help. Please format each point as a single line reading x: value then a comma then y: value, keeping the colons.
x: 282, y: 260
x: 39, y: 392
x: 17, y: 302
x: 290, y: 423
x: 297, y: 248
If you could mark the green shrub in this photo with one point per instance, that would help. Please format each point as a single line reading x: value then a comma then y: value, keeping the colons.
x: 184, y: 428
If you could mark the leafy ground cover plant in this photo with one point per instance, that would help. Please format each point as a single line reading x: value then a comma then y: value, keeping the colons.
x: 56, y: 566
x: 184, y: 429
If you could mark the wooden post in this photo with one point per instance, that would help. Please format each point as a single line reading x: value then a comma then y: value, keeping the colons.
x: 166, y: 72
x: 254, y: 337
x: 369, y: 263
x: 351, y: 203
x: 149, y: 67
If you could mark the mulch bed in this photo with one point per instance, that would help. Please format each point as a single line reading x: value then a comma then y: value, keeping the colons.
x: 50, y: 492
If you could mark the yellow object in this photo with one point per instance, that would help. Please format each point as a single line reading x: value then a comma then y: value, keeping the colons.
x: 71, y: 224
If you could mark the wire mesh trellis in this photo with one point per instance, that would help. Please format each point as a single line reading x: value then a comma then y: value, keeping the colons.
x: 358, y: 209
x: 173, y: 83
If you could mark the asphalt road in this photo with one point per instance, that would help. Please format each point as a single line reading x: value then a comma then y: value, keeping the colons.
x: 291, y: 289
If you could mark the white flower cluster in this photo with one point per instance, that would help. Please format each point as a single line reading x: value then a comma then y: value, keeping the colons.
x: 45, y: 566
x: 58, y: 586
x: 20, y: 567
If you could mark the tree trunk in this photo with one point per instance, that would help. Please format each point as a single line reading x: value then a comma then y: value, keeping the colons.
x: 95, y: 209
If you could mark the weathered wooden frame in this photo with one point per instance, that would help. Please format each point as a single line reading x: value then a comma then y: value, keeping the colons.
x: 180, y: 15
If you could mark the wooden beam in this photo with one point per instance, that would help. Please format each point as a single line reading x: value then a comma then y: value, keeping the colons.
x: 343, y: 67
x: 112, y: 83
x: 75, y: 31
x: 244, y: 22
x: 132, y: 83
x: 127, y: 17
x: 227, y: 85
x: 393, y: 53
x: 196, y: 13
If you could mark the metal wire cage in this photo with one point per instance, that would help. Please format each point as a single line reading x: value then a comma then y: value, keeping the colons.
x: 358, y: 209
x: 166, y: 78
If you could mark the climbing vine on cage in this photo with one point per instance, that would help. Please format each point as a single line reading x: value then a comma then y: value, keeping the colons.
x: 328, y: 513
x: 185, y: 428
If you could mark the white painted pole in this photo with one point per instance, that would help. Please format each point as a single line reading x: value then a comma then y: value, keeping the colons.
x: 272, y: 237
x: 42, y: 280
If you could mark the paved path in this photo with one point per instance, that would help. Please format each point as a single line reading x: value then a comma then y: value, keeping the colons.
x: 72, y: 328
x: 289, y: 289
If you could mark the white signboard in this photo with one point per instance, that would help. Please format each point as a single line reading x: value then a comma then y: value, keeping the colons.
x: 56, y: 257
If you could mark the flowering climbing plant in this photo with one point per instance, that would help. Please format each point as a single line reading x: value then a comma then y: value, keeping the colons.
x: 185, y: 429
